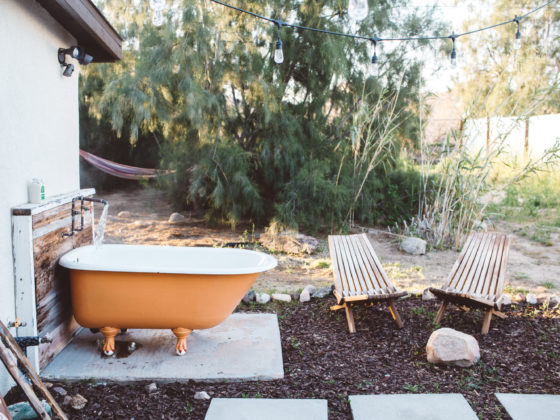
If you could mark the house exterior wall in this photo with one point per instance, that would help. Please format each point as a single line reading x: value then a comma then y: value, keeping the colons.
x: 39, y: 133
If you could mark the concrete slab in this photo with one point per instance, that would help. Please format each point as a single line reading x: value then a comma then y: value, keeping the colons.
x: 244, y: 347
x: 530, y: 406
x: 411, y: 407
x: 259, y: 409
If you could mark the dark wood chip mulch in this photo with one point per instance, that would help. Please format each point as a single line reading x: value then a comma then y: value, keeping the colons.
x: 521, y: 354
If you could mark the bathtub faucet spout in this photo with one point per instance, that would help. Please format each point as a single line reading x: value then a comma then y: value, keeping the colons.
x: 80, y: 212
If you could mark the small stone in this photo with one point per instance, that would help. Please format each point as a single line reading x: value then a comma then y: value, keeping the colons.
x: 132, y: 347
x: 78, y: 402
x: 201, y: 395
x: 543, y: 298
x: 414, y: 246
x: 262, y: 298
x: 322, y: 292
x: 304, y: 296
x: 310, y: 288
x: 294, y: 295
x: 531, y: 299
x: 554, y: 300
x: 176, y: 218
x: 151, y: 388
x: 281, y: 297
x: 142, y: 224
x: 506, y: 300
x: 428, y: 295
x: 249, y: 297
x: 48, y: 385
x: 519, y: 298
x: 124, y: 214
x: 60, y: 391
x: 452, y: 347
x: 24, y: 411
x: 67, y: 400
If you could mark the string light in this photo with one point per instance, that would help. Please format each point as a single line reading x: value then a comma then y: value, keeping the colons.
x: 453, y: 53
x: 374, y: 59
x: 453, y: 37
x: 157, y: 6
x: 358, y: 9
x: 517, y: 42
x: 278, y: 53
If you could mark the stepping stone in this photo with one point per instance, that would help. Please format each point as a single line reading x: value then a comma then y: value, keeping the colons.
x: 245, y: 347
x: 530, y: 406
x: 269, y: 409
x: 411, y: 407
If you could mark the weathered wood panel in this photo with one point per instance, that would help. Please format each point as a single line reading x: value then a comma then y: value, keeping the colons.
x: 52, y: 284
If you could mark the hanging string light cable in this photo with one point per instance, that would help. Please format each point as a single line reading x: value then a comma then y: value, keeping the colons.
x: 453, y: 36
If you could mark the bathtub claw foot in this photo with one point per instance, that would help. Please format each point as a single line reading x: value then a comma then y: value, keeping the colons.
x: 109, y: 346
x: 181, y: 334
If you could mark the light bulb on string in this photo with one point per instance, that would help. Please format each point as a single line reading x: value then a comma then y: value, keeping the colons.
x: 278, y: 52
x: 517, y: 41
x: 157, y: 19
x: 358, y: 9
x: 453, y: 54
x: 374, y: 59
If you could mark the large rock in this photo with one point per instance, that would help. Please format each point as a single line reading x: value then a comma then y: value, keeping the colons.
x: 304, y: 296
x: 452, y: 347
x: 310, y: 288
x: 176, y: 218
x: 249, y: 297
x: 414, y: 246
x: 289, y: 242
x: 428, y: 295
x: 262, y: 298
x: 531, y: 299
x: 78, y: 402
x: 281, y: 297
x: 322, y: 292
x: 201, y: 395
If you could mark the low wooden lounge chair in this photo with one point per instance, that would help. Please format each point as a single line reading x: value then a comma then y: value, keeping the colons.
x: 359, y: 277
x: 477, y: 278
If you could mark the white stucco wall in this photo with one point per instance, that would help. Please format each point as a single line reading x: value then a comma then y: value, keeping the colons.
x: 39, y: 135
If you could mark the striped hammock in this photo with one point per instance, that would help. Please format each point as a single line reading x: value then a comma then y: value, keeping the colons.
x: 122, y: 171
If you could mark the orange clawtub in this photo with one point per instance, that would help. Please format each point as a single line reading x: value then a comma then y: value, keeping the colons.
x: 127, y: 286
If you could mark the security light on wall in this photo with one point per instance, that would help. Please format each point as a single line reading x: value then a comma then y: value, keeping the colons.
x: 76, y: 52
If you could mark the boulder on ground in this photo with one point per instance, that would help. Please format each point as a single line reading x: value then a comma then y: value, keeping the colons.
x: 201, y: 395
x: 78, y: 402
x: 304, y: 296
x: 289, y: 242
x: 554, y: 300
x: 506, y: 300
x: 24, y: 411
x: 281, y: 297
x: 249, y: 297
x: 310, y: 288
x: 322, y: 292
x: 414, y: 246
x: 452, y: 347
x: 531, y: 299
x: 262, y: 298
x: 176, y: 218
x: 151, y: 388
x: 124, y: 214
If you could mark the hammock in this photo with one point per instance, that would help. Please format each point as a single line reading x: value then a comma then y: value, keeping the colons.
x: 122, y: 171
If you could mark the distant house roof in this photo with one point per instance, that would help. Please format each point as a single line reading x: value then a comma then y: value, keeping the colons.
x: 88, y: 25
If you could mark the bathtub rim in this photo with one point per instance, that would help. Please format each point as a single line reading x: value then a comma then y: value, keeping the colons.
x: 68, y: 261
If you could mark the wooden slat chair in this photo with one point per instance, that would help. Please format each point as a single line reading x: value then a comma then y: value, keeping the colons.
x: 359, y: 276
x: 477, y: 278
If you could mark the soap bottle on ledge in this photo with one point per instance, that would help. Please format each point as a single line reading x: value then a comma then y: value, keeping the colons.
x: 36, y: 191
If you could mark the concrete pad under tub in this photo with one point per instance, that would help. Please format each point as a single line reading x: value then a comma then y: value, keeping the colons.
x: 530, y: 406
x: 411, y: 407
x: 244, y: 347
x: 269, y: 409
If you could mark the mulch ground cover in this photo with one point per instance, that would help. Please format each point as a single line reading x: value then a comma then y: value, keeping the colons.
x: 521, y: 354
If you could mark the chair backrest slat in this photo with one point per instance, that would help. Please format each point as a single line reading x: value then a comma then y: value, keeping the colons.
x: 357, y: 273
x: 382, y: 281
x: 483, y: 257
x: 458, y: 279
x: 363, y: 264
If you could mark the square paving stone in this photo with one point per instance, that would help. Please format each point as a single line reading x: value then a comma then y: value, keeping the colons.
x: 244, y: 347
x: 411, y: 407
x: 266, y: 409
x: 531, y: 406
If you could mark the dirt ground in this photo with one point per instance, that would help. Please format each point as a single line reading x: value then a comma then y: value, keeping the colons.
x: 533, y: 266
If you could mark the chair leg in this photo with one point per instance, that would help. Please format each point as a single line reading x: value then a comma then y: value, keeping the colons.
x: 395, y: 314
x: 487, y: 320
x: 441, y: 311
x: 350, y: 318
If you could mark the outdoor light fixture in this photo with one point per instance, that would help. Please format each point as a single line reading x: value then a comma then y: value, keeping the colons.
x: 374, y: 60
x: 68, y: 70
x: 278, y: 53
x: 76, y: 52
x: 453, y: 53
x: 358, y: 9
x: 517, y: 42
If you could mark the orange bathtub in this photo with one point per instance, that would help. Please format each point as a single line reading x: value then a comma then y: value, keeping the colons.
x: 115, y: 287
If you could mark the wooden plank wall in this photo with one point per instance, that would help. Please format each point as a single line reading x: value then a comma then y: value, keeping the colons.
x: 52, y: 285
